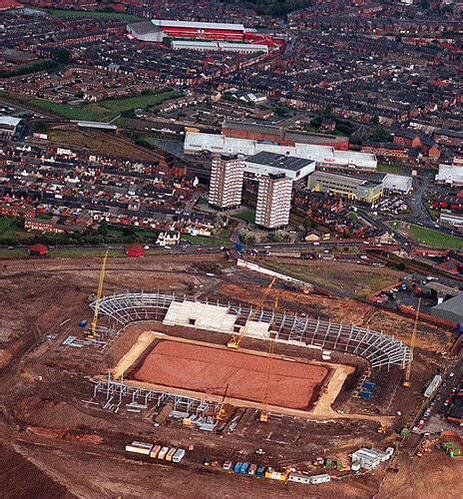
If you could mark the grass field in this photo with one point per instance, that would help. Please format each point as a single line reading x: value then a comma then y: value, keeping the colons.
x: 429, y: 237
x: 392, y: 169
x: 101, y: 143
x: 246, y: 215
x: 11, y: 230
x: 221, y: 239
x: 81, y: 14
x: 99, y: 111
x: 358, y: 281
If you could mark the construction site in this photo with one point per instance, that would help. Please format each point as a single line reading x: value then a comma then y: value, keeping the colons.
x: 196, y: 353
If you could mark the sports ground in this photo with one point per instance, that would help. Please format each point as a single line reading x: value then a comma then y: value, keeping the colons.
x: 236, y: 374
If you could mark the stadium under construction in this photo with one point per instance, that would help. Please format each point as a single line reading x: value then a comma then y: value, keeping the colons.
x: 186, y: 382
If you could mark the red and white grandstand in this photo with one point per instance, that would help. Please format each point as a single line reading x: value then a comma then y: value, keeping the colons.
x: 158, y: 29
x: 200, y: 30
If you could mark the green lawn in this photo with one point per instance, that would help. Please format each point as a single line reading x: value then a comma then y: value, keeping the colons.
x: 12, y: 232
x: 434, y: 238
x: 247, y: 215
x: 220, y: 239
x: 390, y: 169
x: 428, y: 237
x: 101, y: 111
x: 80, y: 14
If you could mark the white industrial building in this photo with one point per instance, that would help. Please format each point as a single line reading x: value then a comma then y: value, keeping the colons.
x: 265, y: 163
x: 452, y: 221
x: 370, y: 459
x: 196, y: 142
x: 219, y: 46
x: 450, y: 174
x: 397, y: 183
x: 9, y: 125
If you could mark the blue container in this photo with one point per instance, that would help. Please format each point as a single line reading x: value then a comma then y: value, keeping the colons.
x: 237, y: 468
x: 244, y: 469
x: 83, y: 324
x: 366, y: 395
x: 369, y: 386
x: 239, y: 248
x: 260, y: 473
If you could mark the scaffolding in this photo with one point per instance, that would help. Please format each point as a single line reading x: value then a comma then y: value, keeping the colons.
x: 378, y: 349
x: 116, y: 393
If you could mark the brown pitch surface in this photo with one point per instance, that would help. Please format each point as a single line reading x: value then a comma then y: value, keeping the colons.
x: 209, y: 370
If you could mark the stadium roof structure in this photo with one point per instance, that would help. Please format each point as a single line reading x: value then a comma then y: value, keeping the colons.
x: 169, y: 23
x: 378, y: 349
x: 451, y: 309
x: 143, y: 27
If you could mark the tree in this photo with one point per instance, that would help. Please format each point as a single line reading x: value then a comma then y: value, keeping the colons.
x: 103, y: 228
x: 62, y: 55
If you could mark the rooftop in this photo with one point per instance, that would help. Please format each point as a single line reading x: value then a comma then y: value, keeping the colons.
x: 9, y: 121
x: 168, y: 23
x: 279, y: 161
x: 451, y: 309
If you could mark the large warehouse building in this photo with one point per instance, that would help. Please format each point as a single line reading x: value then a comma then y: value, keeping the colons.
x: 196, y: 143
x: 266, y: 163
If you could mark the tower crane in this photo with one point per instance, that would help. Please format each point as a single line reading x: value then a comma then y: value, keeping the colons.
x: 237, y: 338
x: 407, y: 383
x: 264, y: 413
x: 99, y: 297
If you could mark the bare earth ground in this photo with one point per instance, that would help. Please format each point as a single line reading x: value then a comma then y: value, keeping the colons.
x: 50, y: 440
x: 236, y: 374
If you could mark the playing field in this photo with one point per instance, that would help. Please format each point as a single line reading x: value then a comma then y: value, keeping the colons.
x: 240, y: 375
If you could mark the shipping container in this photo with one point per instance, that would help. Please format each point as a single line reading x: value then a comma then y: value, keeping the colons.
x: 268, y: 472
x: 139, y: 448
x: 298, y: 478
x: 237, y: 468
x: 227, y: 465
x: 244, y: 469
x: 155, y: 451
x: 260, y: 473
x: 316, y: 479
x: 162, y: 453
x: 178, y: 456
x: 252, y: 469
x: 366, y: 395
x: 170, y: 454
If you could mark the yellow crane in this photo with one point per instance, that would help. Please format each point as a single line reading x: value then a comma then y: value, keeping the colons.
x: 238, y: 338
x: 407, y: 383
x: 264, y: 413
x: 99, y: 296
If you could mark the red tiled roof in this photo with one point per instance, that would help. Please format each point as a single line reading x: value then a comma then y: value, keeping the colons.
x: 10, y: 4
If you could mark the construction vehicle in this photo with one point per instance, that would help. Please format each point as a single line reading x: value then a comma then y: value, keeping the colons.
x: 451, y: 449
x: 407, y: 382
x: 220, y: 416
x: 99, y: 297
x: 238, y: 337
